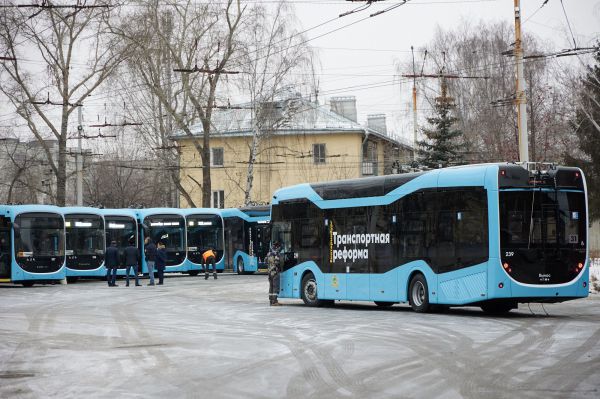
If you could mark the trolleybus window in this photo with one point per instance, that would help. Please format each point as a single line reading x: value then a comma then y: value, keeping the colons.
x: 39, y: 235
x: 84, y: 235
x: 167, y: 229
x: 5, y: 249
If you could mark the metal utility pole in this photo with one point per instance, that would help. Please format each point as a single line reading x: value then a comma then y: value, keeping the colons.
x: 521, y: 99
x: 79, y: 158
x: 414, y: 98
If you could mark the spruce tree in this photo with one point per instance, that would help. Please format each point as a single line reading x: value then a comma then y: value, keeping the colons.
x: 442, y: 144
x: 586, y: 125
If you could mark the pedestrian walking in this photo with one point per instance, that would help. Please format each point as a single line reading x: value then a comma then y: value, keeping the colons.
x: 160, y: 262
x: 131, y: 260
x: 111, y: 262
x: 150, y: 253
x: 274, y: 264
x: 209, y: 257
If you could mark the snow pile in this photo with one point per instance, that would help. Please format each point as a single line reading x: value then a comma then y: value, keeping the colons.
x: 595, y: 275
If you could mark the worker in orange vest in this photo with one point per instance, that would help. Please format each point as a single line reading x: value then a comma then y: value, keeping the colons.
x: 209, y: 256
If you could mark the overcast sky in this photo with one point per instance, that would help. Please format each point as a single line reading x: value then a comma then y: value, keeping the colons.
x: 367, y: 52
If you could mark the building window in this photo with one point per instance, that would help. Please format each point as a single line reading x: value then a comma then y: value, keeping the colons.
x: 218, y: 199
x: 216, y: 156
x: 319, y: 153
x: 369, y: 163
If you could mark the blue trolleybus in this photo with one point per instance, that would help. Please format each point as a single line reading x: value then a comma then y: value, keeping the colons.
x: 247, y: 236
x: 485, y: 235
x: 121, y: 225
x: 166, y: 225
x: 204, y: 230
x: 85, y: 242
x: 32, y: 244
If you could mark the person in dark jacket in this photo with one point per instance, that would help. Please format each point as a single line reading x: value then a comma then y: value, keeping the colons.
x: 161, y: 261
x: 274, y: 263
x: 111, y: 262
x: 150, y: 252
x: 131, y: 260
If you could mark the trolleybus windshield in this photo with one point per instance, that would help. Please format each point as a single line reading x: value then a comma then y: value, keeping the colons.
x: 543, y: 235
x: 85, y: 235
x: 120, y: 229
x: 203, y: 232
x: 39, y: 241
x: 85, y: 241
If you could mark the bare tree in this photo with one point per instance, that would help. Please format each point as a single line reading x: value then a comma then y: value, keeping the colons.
x: 76, y: 52
x: 196, y: 41
x: 485, y: 102
x: 273, y: 52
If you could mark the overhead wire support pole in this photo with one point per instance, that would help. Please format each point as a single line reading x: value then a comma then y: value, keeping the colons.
x: 79, y: 158
x: 521, y: 99
x: 414, y: 98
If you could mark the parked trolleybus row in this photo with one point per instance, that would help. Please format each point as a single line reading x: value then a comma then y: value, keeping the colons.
x: 491, y: 235
x: 41, y: 243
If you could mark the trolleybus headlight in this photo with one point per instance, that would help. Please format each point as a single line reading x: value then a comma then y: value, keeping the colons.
x: 505, y: 265
x: 580, y: 265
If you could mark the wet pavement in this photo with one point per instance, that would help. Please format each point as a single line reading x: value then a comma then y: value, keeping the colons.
x: 220, y: 339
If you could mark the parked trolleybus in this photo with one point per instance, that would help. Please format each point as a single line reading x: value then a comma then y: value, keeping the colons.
x: 85, y: 242
x: 32, y: 244
x: 487, y: 235
x: 204, y: 230
x: 166, y: 225
x: 121, y: 226
x: 247, y: 235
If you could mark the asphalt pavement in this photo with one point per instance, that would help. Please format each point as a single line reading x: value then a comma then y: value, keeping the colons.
x: 220, y: 339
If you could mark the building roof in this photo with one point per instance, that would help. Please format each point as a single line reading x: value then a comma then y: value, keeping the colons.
x: 304, y: 117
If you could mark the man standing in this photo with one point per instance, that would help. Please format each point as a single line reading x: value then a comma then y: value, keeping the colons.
x: 111, y: 262
x: 209, y: 257
x: 150, y: 252
x: 161, y: 262
x: 273, y: 262
x: 132, y: 261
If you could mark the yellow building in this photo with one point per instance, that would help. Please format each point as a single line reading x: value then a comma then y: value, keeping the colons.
x: 310, y: 143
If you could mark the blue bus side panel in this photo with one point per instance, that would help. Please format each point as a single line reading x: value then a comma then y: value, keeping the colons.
x: 358, y: 287
x: 463, y: 286
x: 335, y: 286
x: 384, y: 287
x: 250, y: 262
x: 462, y: 177
x: 99, y: 272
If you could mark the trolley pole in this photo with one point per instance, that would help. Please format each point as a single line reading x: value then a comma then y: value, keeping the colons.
x: 79, y: 158
x: 521, y: 99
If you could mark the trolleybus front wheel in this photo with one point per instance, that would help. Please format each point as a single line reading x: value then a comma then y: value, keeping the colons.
x: 193, y: 272
x: 418, y: 294
x: 309, y: 291
x: 240, y: 265
x: 27, y: 283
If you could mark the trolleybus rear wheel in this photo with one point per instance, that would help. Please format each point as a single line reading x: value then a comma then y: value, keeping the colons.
x: 418, y: 294
x: 309, y: 291
x: 240, y: 265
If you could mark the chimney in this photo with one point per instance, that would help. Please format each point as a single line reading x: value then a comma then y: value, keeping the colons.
x: 377, y: 123
x: 344, y: 106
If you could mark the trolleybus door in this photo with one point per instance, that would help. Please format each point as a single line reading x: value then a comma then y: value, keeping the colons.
x: 5, y: 248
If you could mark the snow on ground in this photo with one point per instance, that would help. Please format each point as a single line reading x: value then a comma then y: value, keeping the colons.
x: 595, y: 275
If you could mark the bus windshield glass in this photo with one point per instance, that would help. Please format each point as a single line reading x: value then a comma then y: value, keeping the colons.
x: 168, y: 229
x: 204, y: 231
x: 120, y: 229
x: 84, y: 234
x: 39, y: 234
x: 540, y: 219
